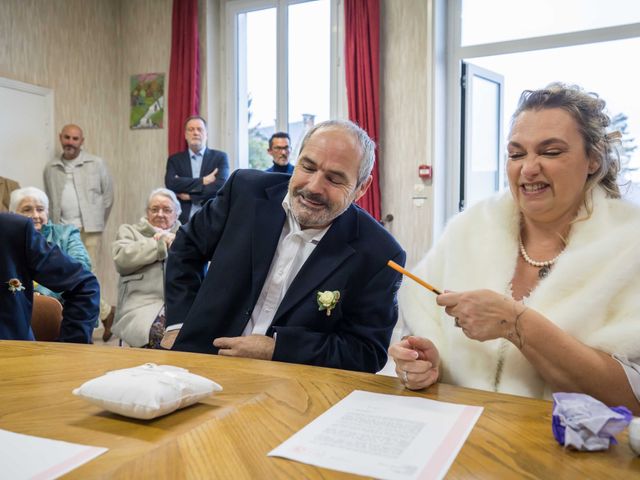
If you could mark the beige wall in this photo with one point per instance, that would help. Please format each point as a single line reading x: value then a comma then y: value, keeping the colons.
x: 85, y: 50
x: 144, y: 47
x: 68, y: 46
x: 403, y: 142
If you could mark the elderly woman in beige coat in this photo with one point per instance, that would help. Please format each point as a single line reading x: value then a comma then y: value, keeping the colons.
x: 139, y: 253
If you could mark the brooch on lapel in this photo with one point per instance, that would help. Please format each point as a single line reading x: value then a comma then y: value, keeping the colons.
x: 328, y: 300
x: 15, y: 285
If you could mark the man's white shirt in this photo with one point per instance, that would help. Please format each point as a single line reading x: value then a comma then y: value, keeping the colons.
x: 294, y: 248
x: 196, y: 159
x: 69, y: 203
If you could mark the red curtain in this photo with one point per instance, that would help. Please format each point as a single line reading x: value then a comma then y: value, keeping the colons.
x: 362, y: 52
x: 184, y: 71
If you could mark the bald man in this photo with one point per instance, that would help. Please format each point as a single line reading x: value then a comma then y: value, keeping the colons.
x: 80, y: 192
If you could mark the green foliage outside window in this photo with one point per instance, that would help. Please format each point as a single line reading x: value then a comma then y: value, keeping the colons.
x: 628, y: 143
x: 258, y: 145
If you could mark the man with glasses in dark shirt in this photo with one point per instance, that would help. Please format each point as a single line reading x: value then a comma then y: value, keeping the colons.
x: 279, y: 149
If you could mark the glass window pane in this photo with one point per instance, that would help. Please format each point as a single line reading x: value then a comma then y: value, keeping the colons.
x: 482, y: 152
x: 309, y: 67
x: 487, y: 21
x: 256, y: 86
x: 589, y: 66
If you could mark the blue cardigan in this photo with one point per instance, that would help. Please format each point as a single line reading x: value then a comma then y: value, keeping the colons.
x: 67, y: 237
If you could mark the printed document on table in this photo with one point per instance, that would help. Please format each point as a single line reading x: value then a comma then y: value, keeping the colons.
x: 24, y: 456
x: 384, y: 436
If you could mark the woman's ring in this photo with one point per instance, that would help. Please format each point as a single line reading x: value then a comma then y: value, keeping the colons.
x: 405, y: 380
x: 457, y: 322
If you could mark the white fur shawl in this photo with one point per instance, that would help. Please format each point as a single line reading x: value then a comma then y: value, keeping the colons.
x: 592, y: 292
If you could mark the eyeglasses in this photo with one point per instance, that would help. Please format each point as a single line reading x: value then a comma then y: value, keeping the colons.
x: 282, y: 149
x: 166, y: 211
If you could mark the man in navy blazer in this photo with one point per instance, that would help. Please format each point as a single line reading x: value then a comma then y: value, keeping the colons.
x: 196, y: 174
x: 298, y: 273
x: 26, y: 256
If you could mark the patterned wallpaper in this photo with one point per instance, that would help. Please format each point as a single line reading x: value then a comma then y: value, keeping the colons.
x: 403, y: 144
x: 85, y: 50
x: 146, y: 48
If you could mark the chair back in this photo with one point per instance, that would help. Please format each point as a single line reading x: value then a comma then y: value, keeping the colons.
x: 46, y: 318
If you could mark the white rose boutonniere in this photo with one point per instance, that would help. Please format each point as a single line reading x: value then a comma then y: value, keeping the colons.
x: 328, y: 300
x: 15, y: 285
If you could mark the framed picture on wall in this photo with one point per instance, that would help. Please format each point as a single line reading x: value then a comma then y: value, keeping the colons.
x: 147, y: 101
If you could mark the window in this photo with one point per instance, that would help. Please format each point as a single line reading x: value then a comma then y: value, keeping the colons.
x: 257, y: 79
x: 282, y: 73
x: 582, y: 42
x: 490, y: 21
x: 481, y: 160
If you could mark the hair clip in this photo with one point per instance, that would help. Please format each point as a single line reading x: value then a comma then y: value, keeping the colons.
x: 613, y: 136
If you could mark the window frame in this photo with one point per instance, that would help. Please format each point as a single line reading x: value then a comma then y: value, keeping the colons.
x: 456, y: 53
x: 338, y: 103
x: 471, y: 72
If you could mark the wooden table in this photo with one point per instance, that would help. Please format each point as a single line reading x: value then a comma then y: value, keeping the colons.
x: 263, y: 403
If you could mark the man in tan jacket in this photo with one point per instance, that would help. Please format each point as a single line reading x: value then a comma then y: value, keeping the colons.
x: 80, y: 191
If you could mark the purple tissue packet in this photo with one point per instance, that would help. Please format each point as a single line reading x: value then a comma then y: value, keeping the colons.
x: 580, y: 421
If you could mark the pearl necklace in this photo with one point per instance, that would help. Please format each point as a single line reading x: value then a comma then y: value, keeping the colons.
x: 545, y: 267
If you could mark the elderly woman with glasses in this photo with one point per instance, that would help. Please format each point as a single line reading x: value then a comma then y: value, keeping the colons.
x: 139, y: 253
x: 33, y: 203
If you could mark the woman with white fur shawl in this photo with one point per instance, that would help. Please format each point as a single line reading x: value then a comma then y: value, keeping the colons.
x: 543, y: 283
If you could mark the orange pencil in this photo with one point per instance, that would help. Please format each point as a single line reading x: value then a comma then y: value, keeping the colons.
x: 398, y: 268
